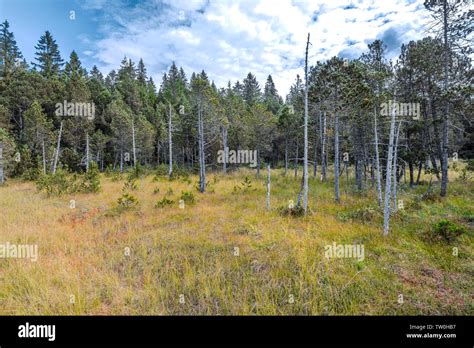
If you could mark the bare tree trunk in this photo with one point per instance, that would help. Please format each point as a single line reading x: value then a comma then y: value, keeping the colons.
x: 258, y: 162
x: 170, y: 143
x: 202, y: 160
x: 87, y: 152
x: 268, y: 188
x: 121, y: 160
x: 323, y: 150
x: 296, y: 157
x: 388, y: 177
x: 2, y: 178
x: 44, y: 156
x: 420, y: 166
x: 58, y: 147
x: 377, y: 160
x: 305, y: 159
x: 444, y: 158
x: 133, y: 143
x: 226, y: 152
x: 395, y: 178
x: 336, y: 155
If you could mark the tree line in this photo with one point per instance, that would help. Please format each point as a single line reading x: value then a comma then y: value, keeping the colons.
x: 381, y: 117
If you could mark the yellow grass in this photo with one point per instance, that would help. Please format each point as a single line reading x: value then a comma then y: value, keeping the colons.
x: 190, y: 254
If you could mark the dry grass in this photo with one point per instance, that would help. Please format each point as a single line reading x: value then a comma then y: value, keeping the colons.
x: 191, y: 252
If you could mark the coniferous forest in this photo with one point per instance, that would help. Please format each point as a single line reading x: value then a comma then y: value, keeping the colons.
x: 350, y: 194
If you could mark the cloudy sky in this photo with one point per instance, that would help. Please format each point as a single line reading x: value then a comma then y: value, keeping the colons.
x: 225, y: 38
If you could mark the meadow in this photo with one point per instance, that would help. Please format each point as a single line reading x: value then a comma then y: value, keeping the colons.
x: 225, y: 254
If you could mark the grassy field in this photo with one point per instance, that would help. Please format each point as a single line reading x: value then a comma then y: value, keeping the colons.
x: 226, y: 254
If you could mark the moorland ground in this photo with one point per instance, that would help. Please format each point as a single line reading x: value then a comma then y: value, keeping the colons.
x: 226, y: 254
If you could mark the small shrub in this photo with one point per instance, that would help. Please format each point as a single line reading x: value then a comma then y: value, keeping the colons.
x: 296, y: 211
x: 447, y: 230
x: 127, y: 201
x: 187, y: 197
x: 54, y: 184
x: 130, y: 185
x: 156, y: 190
x: 244, y: 186
x: 116, y: 176
x: 137, y: 172
x: 169, y: 192
x: 163, y: 203
x: 91, y: 180
x: 363, y: 214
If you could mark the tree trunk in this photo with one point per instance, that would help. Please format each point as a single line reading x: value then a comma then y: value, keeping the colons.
x: 323, y: 149
x: 170, y: 144
x: 420, y: 166
x: 444, y: 159
x: 226, y: 152
x: 258, y: 162
x: 377, y: 160
x: 44, y: 156
x: 336, y: 156
x: 388, y: 177
x: 296, y: 158
x: 87, y: 152
x: 268, y: 188
x: 58, y: 147
x: 202, y: 160
x: 2, y: 178
x: 395, y: 171
x: 305, y: 159
x: 133, y: 143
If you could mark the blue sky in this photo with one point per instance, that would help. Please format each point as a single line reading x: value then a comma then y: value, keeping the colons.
x: 226, y: 38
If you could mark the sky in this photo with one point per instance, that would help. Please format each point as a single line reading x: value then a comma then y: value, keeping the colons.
x: 226, y: 38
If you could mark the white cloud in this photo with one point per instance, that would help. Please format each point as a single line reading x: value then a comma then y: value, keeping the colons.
x: 230, y: 38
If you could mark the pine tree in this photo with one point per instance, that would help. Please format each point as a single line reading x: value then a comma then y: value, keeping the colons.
x: 10, y: 55
x: 251, y: 90
x: 48, y: 56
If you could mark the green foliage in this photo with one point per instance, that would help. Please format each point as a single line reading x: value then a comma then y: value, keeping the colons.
x: 363, y: 214
x: 91, y: 179
x: 470, y: 165
x: 63, y: 182
x: 130, y: 185
x: 127, y: 201
x: 187, y: 197
x: 163, y: 203
x: 296, y: 211
x: 156, y: 190
x: 55, y: 184
x: 447, y: 230
x: 137, y: 172
x: 244, y: 186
